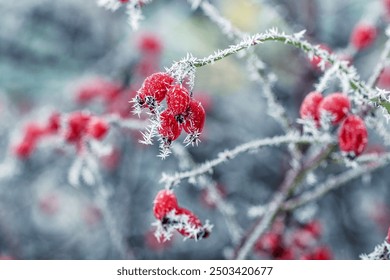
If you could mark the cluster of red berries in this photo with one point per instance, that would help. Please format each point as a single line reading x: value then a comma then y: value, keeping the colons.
x: 172, y: 217
x: 81, y: 124
x: 300, y: 243
x: 33, y: 133
x: 352, y: 134
x: 182, y: 112
x: 78, y: 126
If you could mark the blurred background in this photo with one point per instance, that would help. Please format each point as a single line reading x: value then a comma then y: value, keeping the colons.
x: 53, y: 54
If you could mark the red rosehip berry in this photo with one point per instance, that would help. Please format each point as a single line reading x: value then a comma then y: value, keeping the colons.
x: 309, y: 106
x: 54, y: 123
x: 154, y: 88
x: 164, y: 203
x: 77, y: 125
x: 194, y: 118
x: 24, y: 149
x: 363, y: 35
x: 97, y: 128
x: 170, y: 129
x: 335, y: 104
x: 353, y: 136
x: 33, y: 131
x: 321, y: 253
x: 149, y: 44
x: 194, y: 223
x: 178, y: 99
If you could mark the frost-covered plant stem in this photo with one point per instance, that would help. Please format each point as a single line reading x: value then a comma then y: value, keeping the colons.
x: 256, y: 66
x: 207, y: 167
x: 382, y: 62
x: 335, y: 182
x: 290, y: 182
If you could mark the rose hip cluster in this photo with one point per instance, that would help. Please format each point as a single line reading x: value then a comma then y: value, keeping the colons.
x: 301, y: 242
x: 352, y: 134
x: 78, y: 125
x: 182, y: 112
x: 173, y: 217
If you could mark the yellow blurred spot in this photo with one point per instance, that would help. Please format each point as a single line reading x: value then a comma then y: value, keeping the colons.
x: 243, y: 14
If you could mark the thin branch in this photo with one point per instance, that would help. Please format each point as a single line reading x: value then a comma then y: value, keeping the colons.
x: 335, y: 182
x: 383, y: 60
x: 207, y: 167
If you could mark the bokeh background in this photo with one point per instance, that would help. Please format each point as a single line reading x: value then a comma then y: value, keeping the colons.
x: 51, y: 49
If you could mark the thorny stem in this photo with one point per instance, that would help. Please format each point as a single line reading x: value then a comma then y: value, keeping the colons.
x: 172, y: 180
x: 291, y: 181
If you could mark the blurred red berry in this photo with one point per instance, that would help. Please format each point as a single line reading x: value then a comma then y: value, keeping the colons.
x: 54, y: 123
x: 321, y: 253
x: 170, y: 129
x: 194, y: 118
x: 353, y: 136
x: 49, y: 204
x: 92, y: 215
x: 309, y: 106
x: 337, y: 105
x: 150, y: 44
x: 178, y: 99
x: 97, y: 128
x: 77, y: 125
x: 164, y: 203
x: 24, y: 149
x: 388, y: 236
x: 363, y: 35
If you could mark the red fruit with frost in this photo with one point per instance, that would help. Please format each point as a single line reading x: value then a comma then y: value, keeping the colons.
x: 164, y: 203
x: 155, y: 87
x: 178, y: 99
x: 97, y: 128
x: 170, y: 129
x: 363, y: 35
x: 195, y: 117
x: 335, y: 104
x: 309, y: 106
x: 194, y: 223
x: 353, y: 136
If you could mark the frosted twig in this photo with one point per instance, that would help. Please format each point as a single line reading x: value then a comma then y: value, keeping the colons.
x: 207, y: 167
x: 291, y: 180
x: 383, y: 60
x: 335, y: 182
x: 256, y: 66
x: 381, y: 252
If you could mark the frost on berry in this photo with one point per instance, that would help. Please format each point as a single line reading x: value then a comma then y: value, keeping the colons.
x: 309, y: 106
x: 153, y: 90
x: 164, y: 203
x: 353, y: 136
x: 363, y: 35
x: 336, y: 105
x: 97, y: 128
x: 194, y: 120
x: 178, y: 99
x: 172, y: 218
x: 169, y: 128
